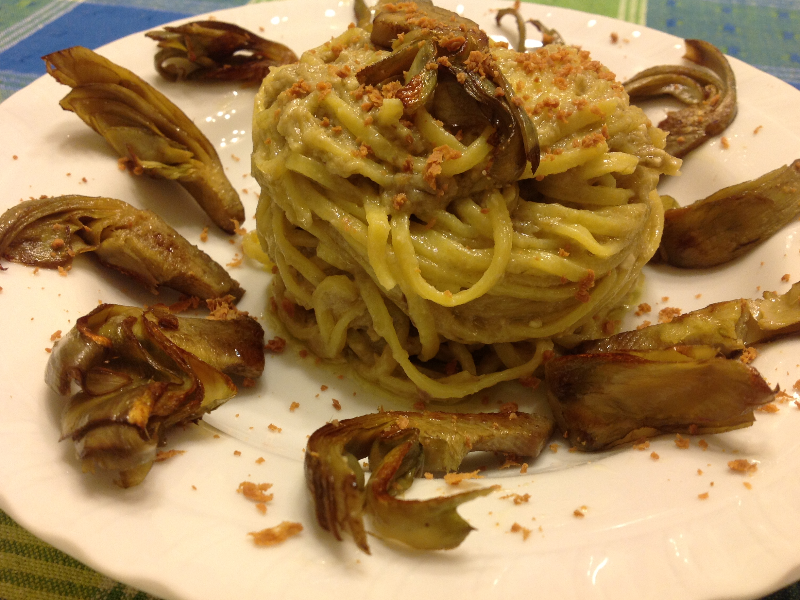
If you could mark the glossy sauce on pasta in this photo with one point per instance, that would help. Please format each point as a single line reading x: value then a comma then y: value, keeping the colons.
x: 397, y: 253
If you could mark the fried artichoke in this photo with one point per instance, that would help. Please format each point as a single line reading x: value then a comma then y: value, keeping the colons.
x: 603, y: 400
x: 729, y: 327
x: 709, y: 90
x: 141, y: 372
x: 444, y: 62
x: 399, y: 446
x: 680, y: 376
x: 49, y: 232
x: 218, y: 51
x: 732, y: 221
x: 149, y: 133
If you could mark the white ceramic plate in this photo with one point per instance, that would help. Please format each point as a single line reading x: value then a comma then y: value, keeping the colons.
x: 183, y: 533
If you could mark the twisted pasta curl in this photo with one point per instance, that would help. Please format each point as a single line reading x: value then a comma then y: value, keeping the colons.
x: 397, y: 253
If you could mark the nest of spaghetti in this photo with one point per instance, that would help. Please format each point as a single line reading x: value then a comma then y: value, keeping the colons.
x: 443, y: 211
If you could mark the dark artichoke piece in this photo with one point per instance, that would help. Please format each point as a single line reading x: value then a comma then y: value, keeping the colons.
x: 704, y: 117
x: 400, y: 445
x: 138, y: 377
x: 49, y: 232
x: 216, y: 50
x: 393, y: 19
x: 606, y: 399
x: 390, y: 67
x: 149, y: 133
x: 732, y: 221
x: 422, y: 83
x: 516, y: 140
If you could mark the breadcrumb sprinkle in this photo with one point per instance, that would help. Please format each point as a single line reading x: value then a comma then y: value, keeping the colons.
x: 457, y: 478
x: 276, y: 345
x: 517, y: 528
x: 681, y: 442
x: 255, y: 491
x: 742, y: 465
x: 666, y: 315
x: 276, y: 535
x: 517, y: 498
x: 167, y: 454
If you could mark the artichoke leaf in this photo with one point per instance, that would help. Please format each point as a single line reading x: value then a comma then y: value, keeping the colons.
x: 732, y: 221
x: 215, y: 50
x: 423, y: 524
x: 606, y: 399
x: 516, y: 141
x: 702, y: 118
x: 100, y: 91
x: 728, y: 326
x: 237, y: 348
x: 391, y: 67
x: 438, y: 441
x: 49, y: 232
x: 135, y: 382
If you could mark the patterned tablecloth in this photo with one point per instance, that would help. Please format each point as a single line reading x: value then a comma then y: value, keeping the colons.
x: 764, y: 33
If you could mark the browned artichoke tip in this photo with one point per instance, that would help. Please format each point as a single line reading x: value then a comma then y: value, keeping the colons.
x: 732, y: 221
x: 49, y: 232
x: 149, y: 133
x: 399, y: 445
x: 690, y: 127
x: 138, y: 377
x: 603, y: 400
x: 215, y: 50
x: 521, y: 33
x: 549, y: 35
x: 393, y: 19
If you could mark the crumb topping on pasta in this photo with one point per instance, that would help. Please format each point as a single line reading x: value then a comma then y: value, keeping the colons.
x: 398, y: 252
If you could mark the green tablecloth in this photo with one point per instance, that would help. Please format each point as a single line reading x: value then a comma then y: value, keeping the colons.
x: 764, y: 33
